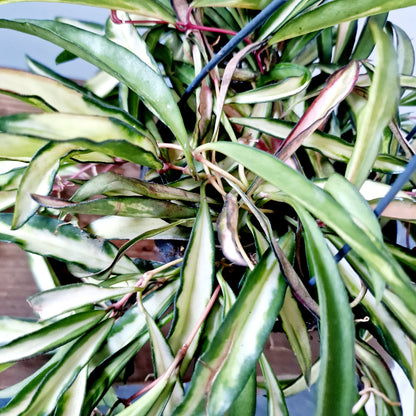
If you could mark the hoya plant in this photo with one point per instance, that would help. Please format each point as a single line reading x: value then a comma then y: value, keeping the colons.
x: 266, y: 149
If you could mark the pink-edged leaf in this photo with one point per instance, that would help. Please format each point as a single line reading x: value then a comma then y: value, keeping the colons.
x: 338, y: 87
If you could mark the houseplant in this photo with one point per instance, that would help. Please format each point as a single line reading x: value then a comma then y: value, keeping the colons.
x: 261, y: 171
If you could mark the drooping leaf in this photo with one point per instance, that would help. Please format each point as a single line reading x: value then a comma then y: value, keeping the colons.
x: 197, y: 276
x: 110, y: 183
x: 224, y: 369
x: 130, y: 206
x: 378, y: 111
x: 66, y: 298
x: 336, y: 325
x: 324, y: 207
x: 90, y: 132
x: 52, y: 238
x: 50, y: 336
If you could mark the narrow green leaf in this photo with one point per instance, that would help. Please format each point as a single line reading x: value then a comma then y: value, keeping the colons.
x: 297, y: 334
x: 333, y: 13
x: 64, y: 374
x: 70, y: 403
x: 378, y: 111
x: 197, y: 276
x: 245, y: 403
x: 38, y: 178
x: 276, y: 404
x: 365, y: 43
x: 336, y: 325
x: 330, y: 146
x: 345, y: 41
x: 118, y: 62
x: 324, y: 207
x: 50, y: 336
x: 110, y: 183
x: 289, y: 9
x: 51, y: 238
x: 91, y: 132
x: 71, y: 297
x: 129, y: 206
x: 162, y: 354
x: 296, y: 80
x: 325, y: 45
x: 224, y: 369
x: 162, y: 359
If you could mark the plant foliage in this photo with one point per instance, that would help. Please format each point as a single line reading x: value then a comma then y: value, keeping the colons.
x: 254, y: 137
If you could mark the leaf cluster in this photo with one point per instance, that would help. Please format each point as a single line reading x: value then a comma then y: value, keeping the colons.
x: 249, y: 142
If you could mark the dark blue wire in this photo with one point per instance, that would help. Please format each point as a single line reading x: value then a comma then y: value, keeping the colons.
x: 382, y: 204
x: 231, y: 45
